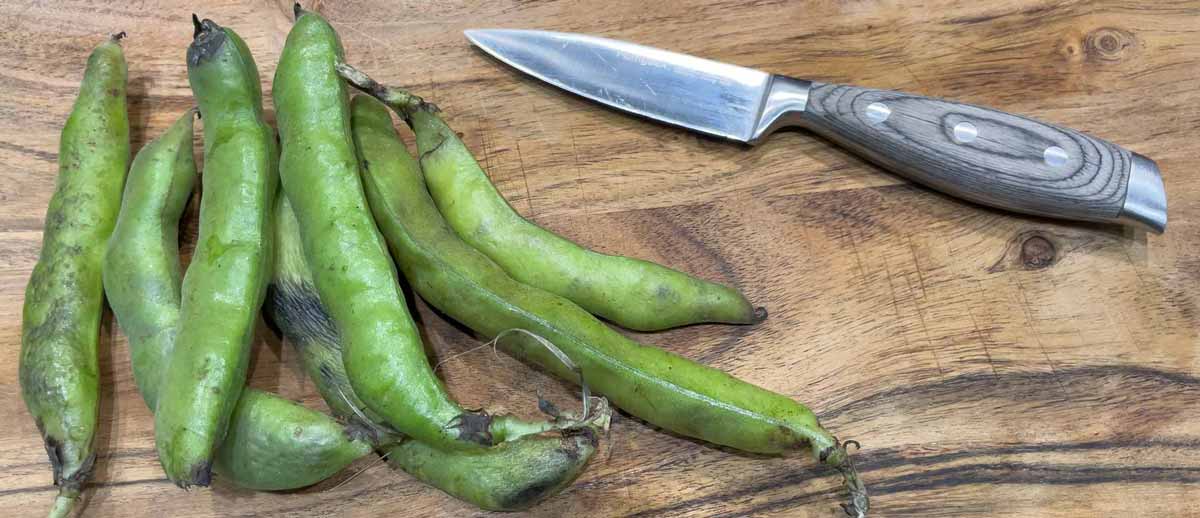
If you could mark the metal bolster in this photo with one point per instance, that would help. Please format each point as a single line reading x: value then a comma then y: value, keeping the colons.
x: 1145, y: 198
x: 785, y: 100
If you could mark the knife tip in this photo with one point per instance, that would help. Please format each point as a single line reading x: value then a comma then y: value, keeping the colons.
x: 473, y: 35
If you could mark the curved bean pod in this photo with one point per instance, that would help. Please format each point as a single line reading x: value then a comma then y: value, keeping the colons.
x: 272, y: 443
x: 60, y: 329
x: 227, y: 279
x: 632, y: 293
x: 141, y: 264
x: 352, y: 271
x: 662, y: 388
x: 510, y: 476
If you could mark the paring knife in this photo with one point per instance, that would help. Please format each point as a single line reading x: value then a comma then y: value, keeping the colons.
x: 980, y: 154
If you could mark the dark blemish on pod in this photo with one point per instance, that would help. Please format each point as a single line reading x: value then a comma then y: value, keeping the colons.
x: 208, y: 38
x: 54, y: 451
x: 570, y: 448
x: 760, y: 314
x: 355, y: 431
x: 530, y: 494
x: 202, y: 372
x: 785, y: 439
x: 57, y: 323
x: 201, y: 474
x: 296, y: 309
x: 82, y: 474
x: 663, y: 292
x: 474, y: 427
x: 1037, y: 252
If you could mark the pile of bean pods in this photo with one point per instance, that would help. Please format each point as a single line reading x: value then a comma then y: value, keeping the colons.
x: 316, y: 229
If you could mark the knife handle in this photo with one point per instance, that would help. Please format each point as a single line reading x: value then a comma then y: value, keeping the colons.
x: 987, y: 156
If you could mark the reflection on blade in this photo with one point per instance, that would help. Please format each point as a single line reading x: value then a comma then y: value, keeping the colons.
x: 703, y: 95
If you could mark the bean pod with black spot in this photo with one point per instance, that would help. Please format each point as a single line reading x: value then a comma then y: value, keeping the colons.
x: 227, y: 279
x: 510, y: 476
x: 272, y: 443
x: 352, y: 272
x: 60, y: 329
x: 662, y: 388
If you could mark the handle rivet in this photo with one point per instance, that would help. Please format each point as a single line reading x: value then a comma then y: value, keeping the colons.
x: 878, y: 112
x: 965, y: 132
x: 1055, y: 156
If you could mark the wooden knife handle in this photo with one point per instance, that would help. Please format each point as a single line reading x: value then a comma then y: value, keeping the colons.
x: 989, y: 156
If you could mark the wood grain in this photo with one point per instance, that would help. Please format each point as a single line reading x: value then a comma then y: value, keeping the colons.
x: 991, y: 364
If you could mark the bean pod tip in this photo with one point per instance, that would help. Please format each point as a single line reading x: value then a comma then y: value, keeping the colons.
x: 201, y: 475
x: 207, y: 40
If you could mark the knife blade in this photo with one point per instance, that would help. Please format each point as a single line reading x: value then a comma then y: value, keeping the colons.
x: 979, y: 154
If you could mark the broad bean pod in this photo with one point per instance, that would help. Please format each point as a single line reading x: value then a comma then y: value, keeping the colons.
x: 60, y: 327
x: 226, y: 281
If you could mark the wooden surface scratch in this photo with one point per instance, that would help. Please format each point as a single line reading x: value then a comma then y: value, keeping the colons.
x: 990, y: 364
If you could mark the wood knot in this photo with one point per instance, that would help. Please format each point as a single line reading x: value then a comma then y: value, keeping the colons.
x: 1032, y: 250
x: 1069, y: 51
x: 1037, y: 252
x: 1108, y: 44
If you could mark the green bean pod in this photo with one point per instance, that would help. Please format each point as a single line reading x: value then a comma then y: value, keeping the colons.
x: 510, y: 476
x: 662, y: 388
x: 141, y: 264
x: 632, y: 293
x: 295, y: 309
x: 272, y: 443
x: 60, y: 330
x: 227, y: 278
x: 352, y: 272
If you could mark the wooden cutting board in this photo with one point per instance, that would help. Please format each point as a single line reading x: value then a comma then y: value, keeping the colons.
x: 990, y: 364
